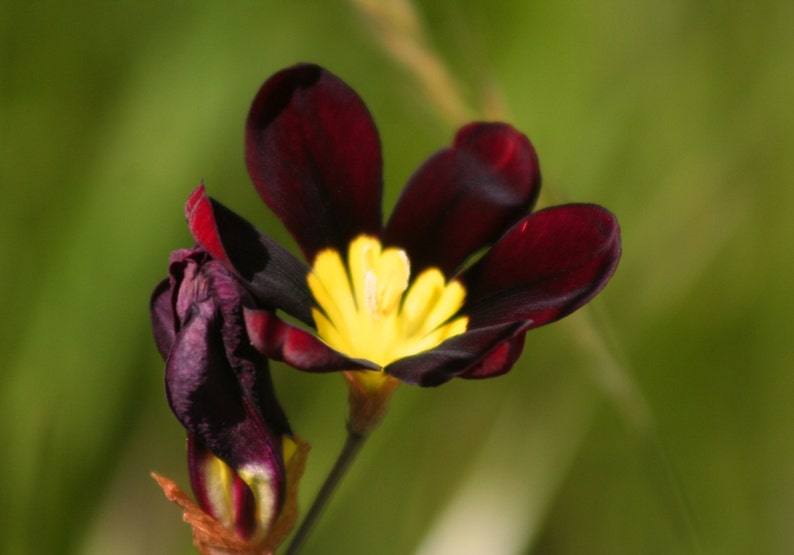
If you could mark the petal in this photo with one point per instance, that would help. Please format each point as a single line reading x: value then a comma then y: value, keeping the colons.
x: 478, y: 353
x: 499, y: 360
x: 162, y: 316
x: 280, y: 341
x: 314, y: 155
x: 545, y: 267
x: 197, y: 458
x: 164, y: 306
x: 275, y: 277
x: 246, y: 362
x: 465, y: 197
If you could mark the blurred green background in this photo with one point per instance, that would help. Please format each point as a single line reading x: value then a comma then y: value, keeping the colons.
x: 676, y: 115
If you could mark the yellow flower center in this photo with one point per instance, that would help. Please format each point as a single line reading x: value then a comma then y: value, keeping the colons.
x: 372, y: 310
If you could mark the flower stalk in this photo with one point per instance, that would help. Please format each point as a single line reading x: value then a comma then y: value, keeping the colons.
x: 368, y: 401
x: 352, y: 447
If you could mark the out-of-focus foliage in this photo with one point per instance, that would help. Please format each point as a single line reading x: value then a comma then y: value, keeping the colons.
x: 676, y: 115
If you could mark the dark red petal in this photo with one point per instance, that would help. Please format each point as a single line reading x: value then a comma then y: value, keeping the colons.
x: 314, y: 155
x: 198, y: 456
x: 478, y: 353
x: 280, y: 341
x: 499, y: 360
x: 465, y: 197
x: 545, y: 267
x: 246, y: 362
x: 162, y: 316
x: 275, y: 277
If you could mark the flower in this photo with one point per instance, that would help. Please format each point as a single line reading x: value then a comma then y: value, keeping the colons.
x: 243, y: 459
x: 446, y: 288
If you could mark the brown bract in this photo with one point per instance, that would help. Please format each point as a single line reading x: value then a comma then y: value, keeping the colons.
x: 210, y: 537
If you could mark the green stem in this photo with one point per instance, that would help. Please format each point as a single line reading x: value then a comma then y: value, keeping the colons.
x: 352, y: 446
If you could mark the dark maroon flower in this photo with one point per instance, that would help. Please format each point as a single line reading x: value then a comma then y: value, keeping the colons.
x: 447, y: 288
x: 218, y: 386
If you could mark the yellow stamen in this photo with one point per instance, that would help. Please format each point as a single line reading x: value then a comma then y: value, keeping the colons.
x: 372, y: 310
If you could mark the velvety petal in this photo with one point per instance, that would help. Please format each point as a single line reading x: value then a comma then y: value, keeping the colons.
x: 545, y: 267
x: 207, y: 399
x: 314, y: 155
x: 281, y: 341
x: 164, y: 305
x: 275, y: 277
x: 195, y: 277
x: 499, y: 360
x: 465, y: 197
x: 162, y: 316
x: 477, y: 353
x: 197, y: 458
x: 246, y: 362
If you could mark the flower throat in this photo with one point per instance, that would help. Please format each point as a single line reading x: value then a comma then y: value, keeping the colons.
x: 372, y: 310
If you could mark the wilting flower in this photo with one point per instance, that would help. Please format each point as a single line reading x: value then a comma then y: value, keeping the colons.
x: 242, y: 457
x: 446, y: 288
